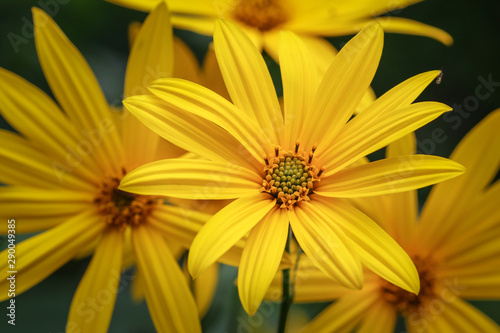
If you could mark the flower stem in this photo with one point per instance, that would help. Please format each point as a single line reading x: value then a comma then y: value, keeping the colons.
x: 287, y: 298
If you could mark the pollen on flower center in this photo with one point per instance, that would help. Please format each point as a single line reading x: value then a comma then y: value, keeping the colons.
x: 290, y: 176
x: 263, y: 15
x: 406, y: 302
x: 122, y: 208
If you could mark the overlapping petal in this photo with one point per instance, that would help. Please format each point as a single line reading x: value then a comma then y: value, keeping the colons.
x: 192, y: 179
x: 376, y: 249
x: 151, y: 58
x: 342, y: 87
x: 261, y: 258
x: 326, y: 244
x: 247, y: 78
x: 99, y: 283
x: 225, y: 228
x: 76, y: 89
x: 363, y: 135
x: 390, y: 175
x: 37, y: 209
x: 300, y: 81
x: 170, y: 302
x: 200, y: 101
x: 41, y: 255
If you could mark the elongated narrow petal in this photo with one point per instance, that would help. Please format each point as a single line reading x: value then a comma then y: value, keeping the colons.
x: 381, y: 317
x: 195, y: 99
x: 76, y: 88
x: 345, y: 314
x: 22, y: 164
x: 459, y: 316
x: 212, y: 75
x: 190, y: 132
x: 41, y: 255
x: 186, y: 65
x: 199, y: 7
x: 390, y: 175
x: 192, y: 179
x: 479, y: 152
x: 376, y: 249
x: 178, y: 223
x: 326, y: 244
x: 100, y: 283
x: 225, y: 228
x: 169, y: 299
x: 362, y: 135
x: 300, y: 81
x: 151, y: 58
x: 204, y: 288
x: 39, y: 209
x: 261, y: 258
x: 343, y: 86
x: 32, y: 113
x: 247, y: 78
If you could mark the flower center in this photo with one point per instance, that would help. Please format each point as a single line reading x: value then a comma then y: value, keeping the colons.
x: 122, y: 208
x: 290, y: 176
x: 263, y: 15
x: 406, y: 302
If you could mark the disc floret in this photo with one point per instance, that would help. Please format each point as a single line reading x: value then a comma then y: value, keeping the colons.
x: 290, y: 176
x: 121, y: 208
x: 263, y: 15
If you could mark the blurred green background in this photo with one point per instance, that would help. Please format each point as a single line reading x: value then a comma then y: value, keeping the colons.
x: 99, y: 30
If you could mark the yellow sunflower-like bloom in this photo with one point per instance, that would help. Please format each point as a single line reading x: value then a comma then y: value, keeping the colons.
x: 63, y: 172
x: 263, y: 19
x: 454, y: 245
x: 290, y: 168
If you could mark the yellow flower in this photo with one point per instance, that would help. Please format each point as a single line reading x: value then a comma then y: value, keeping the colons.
x: 454, y: 245
x: 63, y: 172
x: 252, y: 138
x: 263, y: 19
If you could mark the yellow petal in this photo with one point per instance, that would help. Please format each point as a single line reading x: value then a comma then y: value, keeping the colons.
x: 376, y: 249
x: 225, y: 228
x: 199, y: 24
x: 192, y: 98
x: 41, y: 255
x: 32, y: 113
x: 178, y: 223
x: 204, y: 288
x: 94, y: 300
x: 261, y: 258
x: 410, y: 27
x: 200, y: 7
x: 322, y: 52
x: 455, y: 315
x: 76, y: 89
x: 190, y: 132
x: 247, y: 78
x: 363, y: 135
x: 170, y: 302
x: 390, y: 175
x: 448, y: 202
x: 381, y: 317
x: 22, y: 164
x: 345, y: 314
x: 343, y: 86
x: 192, y: 179
x: 300, y: 81
x: 186, y: 65
x: 151, y: 58
x: 38, y: 209
x: 326, y: 244
x: 212, y: 77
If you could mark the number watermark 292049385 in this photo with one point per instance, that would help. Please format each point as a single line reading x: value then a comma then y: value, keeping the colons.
x: 11, y: 270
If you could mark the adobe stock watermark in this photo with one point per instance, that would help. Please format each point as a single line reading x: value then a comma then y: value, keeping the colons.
x: 27, y: 33
x: 93, y: 304
x: 484, y: 90
x: 430, y: 311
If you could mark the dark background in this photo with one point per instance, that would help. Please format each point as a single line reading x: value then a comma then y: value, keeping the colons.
x: 98, y: 29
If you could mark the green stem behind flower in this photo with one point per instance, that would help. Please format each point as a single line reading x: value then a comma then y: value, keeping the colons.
x: 287, y: 297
